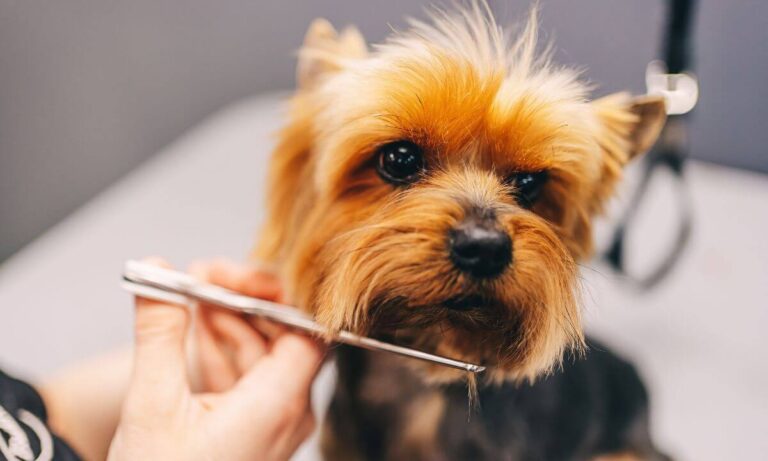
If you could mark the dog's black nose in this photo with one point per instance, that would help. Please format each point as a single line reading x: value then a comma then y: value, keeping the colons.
x: 480, y: 248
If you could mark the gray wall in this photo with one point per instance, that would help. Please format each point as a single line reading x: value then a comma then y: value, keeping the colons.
x: 90, y: 88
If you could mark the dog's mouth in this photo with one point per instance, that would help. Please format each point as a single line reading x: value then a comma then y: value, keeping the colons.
x: 478, y: 308
x: 474, y: 327
x: 467, y: 302
x: 466, y: 316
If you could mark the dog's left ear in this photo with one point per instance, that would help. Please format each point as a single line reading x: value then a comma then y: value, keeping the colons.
x: 325, y: 51
x: 629, y: 126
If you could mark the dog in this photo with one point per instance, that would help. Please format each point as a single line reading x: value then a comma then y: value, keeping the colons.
x: 437, y: 191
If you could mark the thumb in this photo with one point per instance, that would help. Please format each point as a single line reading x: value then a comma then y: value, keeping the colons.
x: 290, y: 368
x: 159, y: 356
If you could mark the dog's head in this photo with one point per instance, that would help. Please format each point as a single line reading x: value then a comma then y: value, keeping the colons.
x: 438, y: 190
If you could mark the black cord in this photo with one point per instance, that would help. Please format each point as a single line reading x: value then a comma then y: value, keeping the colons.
x: 677, y: 43
x: 671, y: 152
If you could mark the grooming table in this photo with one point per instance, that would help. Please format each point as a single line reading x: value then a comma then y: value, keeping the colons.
x: 699, y: 339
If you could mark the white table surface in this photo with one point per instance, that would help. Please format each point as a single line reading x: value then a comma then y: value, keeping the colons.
x: 698, y: 338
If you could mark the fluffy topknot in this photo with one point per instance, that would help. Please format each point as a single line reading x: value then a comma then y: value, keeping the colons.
x: 470, y: 33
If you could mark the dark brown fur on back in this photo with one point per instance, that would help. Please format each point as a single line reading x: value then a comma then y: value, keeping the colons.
x: 596, y: 406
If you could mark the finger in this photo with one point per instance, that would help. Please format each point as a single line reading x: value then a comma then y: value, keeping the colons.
x: 245, y: 279
x: 244, y: 341
x: 305, y: 428
x: 267, y: 328
x: 160, y: 330
x: 303, y: 352
x: 215, y: 367
x: 230, y: 344
x: 300, y: 434
x: 291, y: 365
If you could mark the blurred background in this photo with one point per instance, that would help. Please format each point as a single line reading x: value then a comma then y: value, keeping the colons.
x: 142, y: 127
x: 90, y: 89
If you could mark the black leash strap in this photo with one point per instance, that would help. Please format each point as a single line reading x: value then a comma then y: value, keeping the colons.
x: 674, y: 79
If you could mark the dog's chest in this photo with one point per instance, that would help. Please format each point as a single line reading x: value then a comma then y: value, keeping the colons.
x: 386, y: 412
x: 382, y: 411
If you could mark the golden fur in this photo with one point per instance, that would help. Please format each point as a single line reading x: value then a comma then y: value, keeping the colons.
x: 364, y: 255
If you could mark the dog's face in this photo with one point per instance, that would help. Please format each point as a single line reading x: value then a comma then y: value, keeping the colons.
x: 438, y: 191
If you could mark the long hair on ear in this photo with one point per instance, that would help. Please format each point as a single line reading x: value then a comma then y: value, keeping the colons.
x: 289, y: 185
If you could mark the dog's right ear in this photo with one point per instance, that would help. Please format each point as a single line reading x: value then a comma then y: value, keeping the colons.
x: 326, y: 51
x: 629, y: 125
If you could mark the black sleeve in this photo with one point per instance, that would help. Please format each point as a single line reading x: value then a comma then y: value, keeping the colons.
x: 24, y: 433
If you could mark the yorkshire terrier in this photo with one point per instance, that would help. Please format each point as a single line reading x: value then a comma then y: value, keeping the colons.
x: 437, y: 191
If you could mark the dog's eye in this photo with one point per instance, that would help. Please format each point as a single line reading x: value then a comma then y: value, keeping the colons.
x: 400, y: 162
x: 527, y: 186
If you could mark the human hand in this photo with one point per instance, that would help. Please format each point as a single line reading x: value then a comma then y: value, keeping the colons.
x: 257, y: 404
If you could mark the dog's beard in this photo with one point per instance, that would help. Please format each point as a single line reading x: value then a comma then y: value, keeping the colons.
x: 391, y: 277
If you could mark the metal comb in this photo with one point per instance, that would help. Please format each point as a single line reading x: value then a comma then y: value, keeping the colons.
x: 148, y: 281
